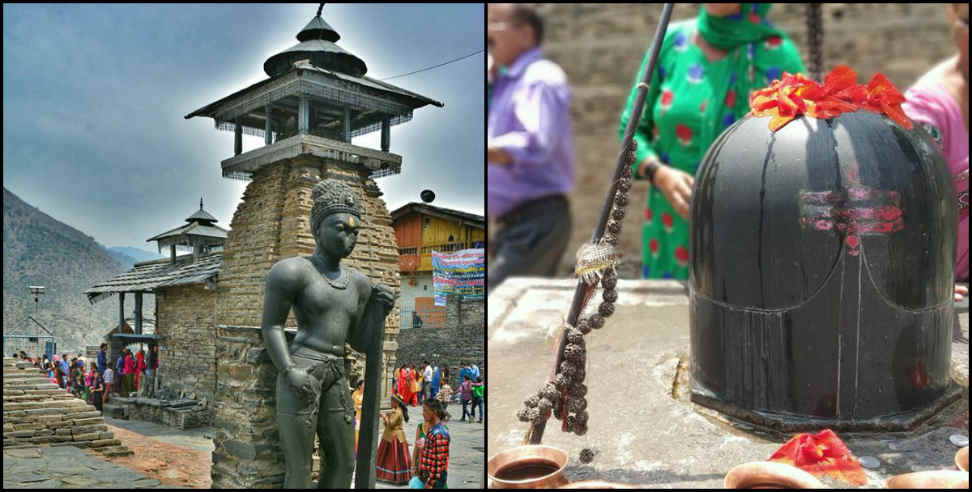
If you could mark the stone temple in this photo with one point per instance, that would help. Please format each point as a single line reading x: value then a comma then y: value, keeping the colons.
x: 317, y: 97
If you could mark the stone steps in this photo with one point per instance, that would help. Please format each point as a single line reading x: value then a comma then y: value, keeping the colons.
x: 37, y: 413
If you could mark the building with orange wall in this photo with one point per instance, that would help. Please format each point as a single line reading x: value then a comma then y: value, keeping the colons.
x: 421, y: 228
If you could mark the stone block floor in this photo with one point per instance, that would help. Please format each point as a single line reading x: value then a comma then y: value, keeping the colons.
x: 68, y: 467
x: 643, y: 428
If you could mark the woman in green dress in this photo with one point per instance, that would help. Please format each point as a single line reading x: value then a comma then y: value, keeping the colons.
x: 706, y: 69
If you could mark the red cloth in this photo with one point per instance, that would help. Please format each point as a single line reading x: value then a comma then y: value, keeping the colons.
x: 129, y: 365
x: 819, y: 454
x: 404, y: 385
x: 393, y: 464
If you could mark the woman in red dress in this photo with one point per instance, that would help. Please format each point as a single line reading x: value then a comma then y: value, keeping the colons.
x: 393, y: 464
x: 404, y: 383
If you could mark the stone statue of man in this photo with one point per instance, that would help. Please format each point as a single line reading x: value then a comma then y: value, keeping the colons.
x: 332, y: 306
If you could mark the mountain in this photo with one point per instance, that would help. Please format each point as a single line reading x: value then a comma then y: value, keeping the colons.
x: 128, y: 256
x: 40, y: 250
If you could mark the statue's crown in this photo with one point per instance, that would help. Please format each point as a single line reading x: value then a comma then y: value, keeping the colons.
x: 330, y: 197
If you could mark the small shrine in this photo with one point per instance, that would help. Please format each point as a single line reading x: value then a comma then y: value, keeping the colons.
x: 200, y: 234
x: 183, y: 287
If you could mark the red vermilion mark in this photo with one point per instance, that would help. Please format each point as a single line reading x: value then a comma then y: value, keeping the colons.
x: 855, y: 211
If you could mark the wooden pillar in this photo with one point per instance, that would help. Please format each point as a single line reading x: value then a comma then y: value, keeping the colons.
x: 138, y: 312
x: 385, y: 134
x: 238, y: 140
x: 268, y: 137
x: 303, y: 116
x: 121, y: 312
x: 346, y: 125
x: 172, y: 253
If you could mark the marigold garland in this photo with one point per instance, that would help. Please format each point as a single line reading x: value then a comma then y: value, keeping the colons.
x: 793, y: 95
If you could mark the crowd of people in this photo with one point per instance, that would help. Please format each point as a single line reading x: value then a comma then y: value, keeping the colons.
x: 96, y: 381
x: 707, y: 67
x: 430, y: 382
x: 426, y: 386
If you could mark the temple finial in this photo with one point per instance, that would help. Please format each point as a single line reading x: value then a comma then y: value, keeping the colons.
x: 319, y: 9
x: 200, y: 203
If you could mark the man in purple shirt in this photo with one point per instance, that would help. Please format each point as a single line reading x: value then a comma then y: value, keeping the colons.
x: 530, y: 148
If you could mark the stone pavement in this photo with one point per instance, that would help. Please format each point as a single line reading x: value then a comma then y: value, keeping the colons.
x: 68, y: 467
x: 197, y: 438
x: 643, y: 428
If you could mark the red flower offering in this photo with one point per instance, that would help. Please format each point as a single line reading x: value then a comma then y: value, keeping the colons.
x: 840, y: 93
x: 820, y: 454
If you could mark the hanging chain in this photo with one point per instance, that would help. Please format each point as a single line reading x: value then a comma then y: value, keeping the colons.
x: 815, y: 40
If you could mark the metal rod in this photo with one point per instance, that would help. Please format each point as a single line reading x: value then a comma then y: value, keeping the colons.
x: 536, y: 430
x: 815, y: 41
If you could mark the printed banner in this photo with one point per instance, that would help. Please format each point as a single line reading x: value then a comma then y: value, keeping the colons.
x: 462, y: 272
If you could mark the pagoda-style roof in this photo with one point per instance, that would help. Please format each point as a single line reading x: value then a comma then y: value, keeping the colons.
x: 192, y: 229
x: 199, y: 231
x: 151, y: 275
x: 317, y: 46
x: 202, y: 216
x: 318, y: 69
x: 364, y: 94
x: 318, y: 29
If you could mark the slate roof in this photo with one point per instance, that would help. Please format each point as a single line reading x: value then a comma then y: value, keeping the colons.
x: 153, y: 275
x: 415, y: 100
x: 201, y: 215
x: 193, y: 228
x: 441, y: 212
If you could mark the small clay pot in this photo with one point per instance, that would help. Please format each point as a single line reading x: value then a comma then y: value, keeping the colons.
x: 528, y: 455
x: 935, y: 479
x: 770, y: 475
x: 962, y: 459
x: 597, y: 484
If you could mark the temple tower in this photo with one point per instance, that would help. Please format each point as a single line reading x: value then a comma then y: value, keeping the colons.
x: 315, y: 100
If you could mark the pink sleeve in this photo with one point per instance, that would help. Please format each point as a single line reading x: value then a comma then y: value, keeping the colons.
x: 925, y: 107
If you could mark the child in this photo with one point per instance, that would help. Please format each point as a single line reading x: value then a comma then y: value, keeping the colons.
x: 465, y: 390
x: 109, y: 378
x: 445, y: 393
x: 477, y: 394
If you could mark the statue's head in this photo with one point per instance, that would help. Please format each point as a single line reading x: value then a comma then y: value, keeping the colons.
x: 335, y: 217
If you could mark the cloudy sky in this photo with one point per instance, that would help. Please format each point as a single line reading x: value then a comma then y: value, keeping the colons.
x: 94, y: 99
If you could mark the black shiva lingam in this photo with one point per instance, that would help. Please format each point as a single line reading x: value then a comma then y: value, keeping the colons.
x: 822, y: 257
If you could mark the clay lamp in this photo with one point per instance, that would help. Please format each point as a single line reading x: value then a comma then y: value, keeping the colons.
x: 962, y: 459
x: 532, y: 466
x: 770, y: 475
x: 934, y: 479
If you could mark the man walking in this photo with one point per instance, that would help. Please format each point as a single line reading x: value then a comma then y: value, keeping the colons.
x: 530, y: 156
x: 427, y: 374
x: 102, y: 358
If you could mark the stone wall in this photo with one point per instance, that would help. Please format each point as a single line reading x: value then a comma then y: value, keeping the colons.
x: 448, y: 346
x: 187, y: 354
x: 461, y: 312
x: 272, y: 223
x: 601, y: 46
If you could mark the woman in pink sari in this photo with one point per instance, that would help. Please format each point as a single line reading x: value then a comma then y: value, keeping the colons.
x: 939, y: 103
